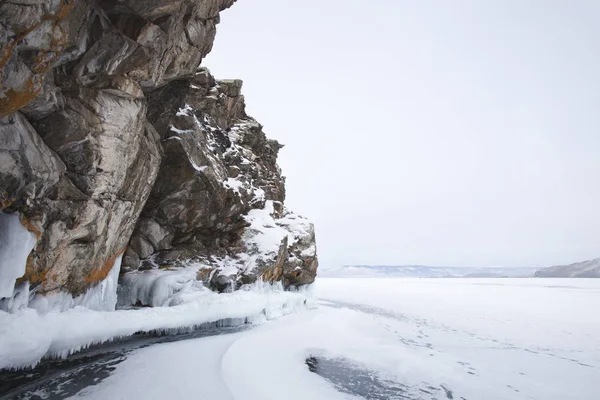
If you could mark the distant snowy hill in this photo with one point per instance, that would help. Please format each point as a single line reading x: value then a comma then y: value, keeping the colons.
x: 585, y: 269
x: 422, y: 271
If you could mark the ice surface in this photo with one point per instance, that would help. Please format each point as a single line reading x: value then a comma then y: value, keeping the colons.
x: 493, y: 339
x: 225, y: 367
x: 483, y: 338
x: 422, y: 271
x: 27, y: 336
x: 16, y: 243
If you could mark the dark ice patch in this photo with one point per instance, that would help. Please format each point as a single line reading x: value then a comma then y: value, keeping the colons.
x: 348, y: 377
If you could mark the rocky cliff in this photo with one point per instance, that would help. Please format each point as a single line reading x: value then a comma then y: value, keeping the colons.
x: 118, y: 151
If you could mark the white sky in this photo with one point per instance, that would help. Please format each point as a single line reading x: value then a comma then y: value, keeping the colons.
x: 429, y: 132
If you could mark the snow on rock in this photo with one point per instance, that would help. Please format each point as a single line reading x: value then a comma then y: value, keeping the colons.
x: 219, y: 195
x: 185, y: 111
x: 278, y: 246
x: 234, y: 184
x: 180, y: 131
x: 267, y: 247
x: 27, y: 336
x: 16, y: 243
x: 264, y: 235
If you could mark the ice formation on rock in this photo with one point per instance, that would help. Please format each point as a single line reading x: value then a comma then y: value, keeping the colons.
x: 16, y: 242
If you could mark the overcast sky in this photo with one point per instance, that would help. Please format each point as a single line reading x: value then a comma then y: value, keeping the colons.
x: 429, y: 132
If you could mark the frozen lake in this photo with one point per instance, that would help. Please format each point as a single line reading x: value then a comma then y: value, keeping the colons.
x: 382, y: 339
x: 480, y: 338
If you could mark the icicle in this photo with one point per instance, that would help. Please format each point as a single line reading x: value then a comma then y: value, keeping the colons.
x: 16, y: 243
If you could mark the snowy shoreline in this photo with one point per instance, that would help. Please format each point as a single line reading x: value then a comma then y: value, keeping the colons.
x: 28, y: 336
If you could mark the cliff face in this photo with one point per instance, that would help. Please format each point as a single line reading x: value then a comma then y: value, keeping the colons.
x: 115, y: 146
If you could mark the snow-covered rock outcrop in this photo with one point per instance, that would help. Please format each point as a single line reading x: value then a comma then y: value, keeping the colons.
x: 218, y: 199
x: 585, y: 269
x: 120, y: 155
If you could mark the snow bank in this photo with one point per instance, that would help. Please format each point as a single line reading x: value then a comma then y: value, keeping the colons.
x: 16, y: 243
x: 27, y: 336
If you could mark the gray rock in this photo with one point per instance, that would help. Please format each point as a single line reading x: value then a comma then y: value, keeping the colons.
x: 231, y: 87
x: 141, y: 247
x: 223, y: 283
x: 217, y: 166
x: 29, y: 169
x: 83, y: 187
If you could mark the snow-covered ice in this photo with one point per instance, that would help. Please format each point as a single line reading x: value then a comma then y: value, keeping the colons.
x: 432, y: 338
x: 485, y: 338
x: 28, y: 335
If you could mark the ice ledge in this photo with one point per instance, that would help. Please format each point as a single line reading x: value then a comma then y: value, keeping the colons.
x: 28, y: 336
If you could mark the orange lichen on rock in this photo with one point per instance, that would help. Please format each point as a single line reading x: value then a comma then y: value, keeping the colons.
x: 203, y: 274
x: 4, y: 203
x: 7, y: 50
x: 273, y: 274
x: 33, y: 275
x: 31, y: 227
x: 14, y: 99
x: 99, y: 274
x: 63, y: 10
